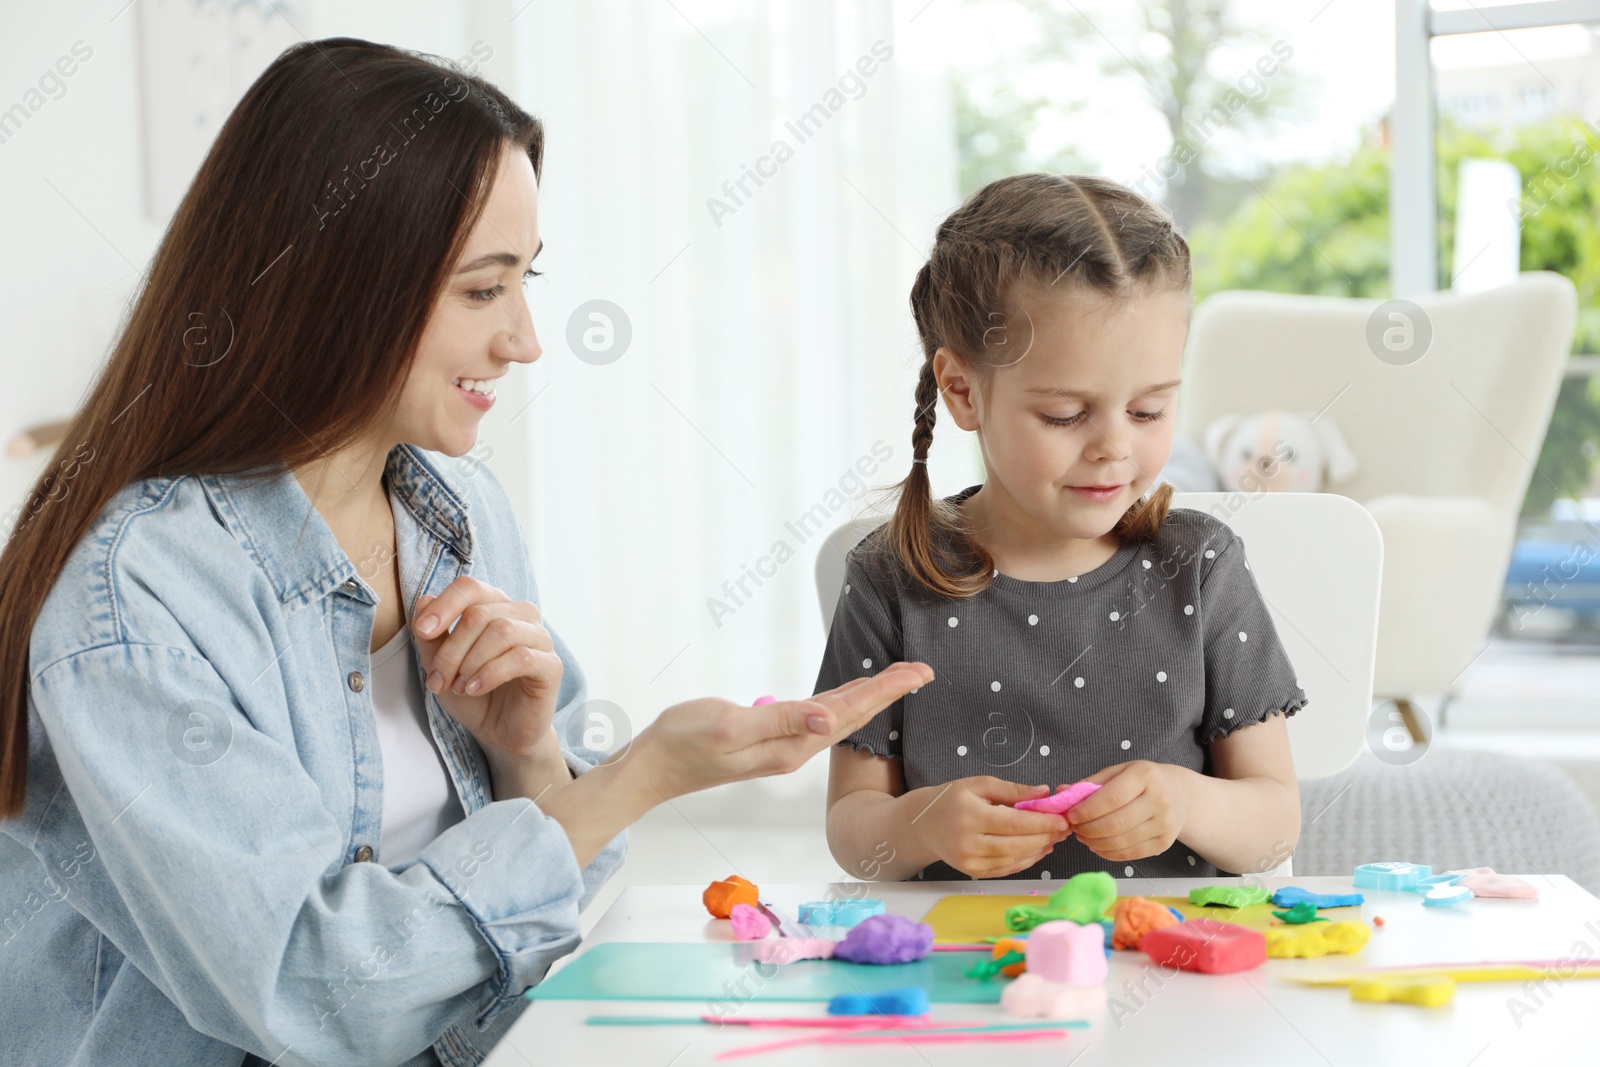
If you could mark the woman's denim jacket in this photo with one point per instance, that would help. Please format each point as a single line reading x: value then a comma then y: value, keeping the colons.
x: 195, y: 878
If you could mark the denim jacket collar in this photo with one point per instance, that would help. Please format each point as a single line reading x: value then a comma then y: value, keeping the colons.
x: 271, y: 515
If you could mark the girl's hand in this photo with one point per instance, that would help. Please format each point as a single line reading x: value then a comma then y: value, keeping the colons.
x: 1140, y: 812
x: 496, y: 673
x: 970, y: 824
x: 710, y: 742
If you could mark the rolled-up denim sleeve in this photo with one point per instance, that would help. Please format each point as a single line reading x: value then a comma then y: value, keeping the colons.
x: 224, y: 876
x: 574, y: 717
x: 577, y: 720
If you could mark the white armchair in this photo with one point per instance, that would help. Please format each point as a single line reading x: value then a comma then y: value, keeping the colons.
x: 1446, y: 443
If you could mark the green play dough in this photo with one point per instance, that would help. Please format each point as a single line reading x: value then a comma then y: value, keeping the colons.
x: 1230, y: 896
x: 987, y: 969
x: 1085, y: 898
x: 1303, y: 912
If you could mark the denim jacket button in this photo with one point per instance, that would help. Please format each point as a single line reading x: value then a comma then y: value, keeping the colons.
x: 364, y: 853
x: 356, y: 681
x: 350, y: 585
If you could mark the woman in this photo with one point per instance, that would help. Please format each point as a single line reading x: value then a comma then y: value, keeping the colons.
x: 233, y: 833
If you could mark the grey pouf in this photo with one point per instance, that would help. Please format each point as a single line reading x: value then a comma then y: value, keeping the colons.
x: 1450, y: 809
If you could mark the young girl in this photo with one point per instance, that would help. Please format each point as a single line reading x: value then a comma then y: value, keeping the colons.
x: 1078, y: 628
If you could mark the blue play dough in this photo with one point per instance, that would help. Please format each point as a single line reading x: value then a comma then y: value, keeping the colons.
x: 908, y: 1000
x: 1176, y: 914
x: 1290, y: 895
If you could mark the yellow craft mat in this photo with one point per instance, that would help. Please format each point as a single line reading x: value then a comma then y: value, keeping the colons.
x: 968, y: 918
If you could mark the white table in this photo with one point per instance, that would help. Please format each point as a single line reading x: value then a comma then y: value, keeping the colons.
x: 1239, y: 1020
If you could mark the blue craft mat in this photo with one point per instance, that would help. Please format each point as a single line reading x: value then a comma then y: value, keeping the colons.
x: 720, y: 971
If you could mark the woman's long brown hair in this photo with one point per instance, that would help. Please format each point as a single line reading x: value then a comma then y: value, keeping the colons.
x: 1056, y: 232
x: 280, y: 314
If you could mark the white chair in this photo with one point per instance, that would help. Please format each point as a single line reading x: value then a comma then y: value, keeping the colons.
x: 1445, y: 443
x: 1318, y: 561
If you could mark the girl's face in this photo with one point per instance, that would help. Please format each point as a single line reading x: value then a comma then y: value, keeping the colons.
x: 1078, y: 422
x: 480, y: 324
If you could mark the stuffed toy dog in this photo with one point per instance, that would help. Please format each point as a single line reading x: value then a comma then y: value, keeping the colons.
x: 1278, y: 451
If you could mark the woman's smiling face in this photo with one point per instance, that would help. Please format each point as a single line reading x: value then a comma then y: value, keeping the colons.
x: 480, y: 324
x: 1089, y: 404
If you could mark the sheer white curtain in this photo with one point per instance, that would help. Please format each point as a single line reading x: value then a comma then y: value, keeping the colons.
x: 771, y: 349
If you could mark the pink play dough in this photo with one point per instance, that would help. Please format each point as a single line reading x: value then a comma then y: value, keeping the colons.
x: 790, y: 949
x: 1030, y: 997
x: 1484, y: 882
x: 748, y: 923
x: 1059, y: 802
x: 1065, y: 952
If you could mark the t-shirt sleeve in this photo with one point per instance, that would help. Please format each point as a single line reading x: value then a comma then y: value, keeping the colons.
x: 1248, y: 673
x: 864, y: 639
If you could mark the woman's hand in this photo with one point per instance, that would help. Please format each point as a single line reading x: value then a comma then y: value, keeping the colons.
x: 710, y: 742
x: 970, y: 824
x: 496, y: 673
x: 1139, y: 812
x: 706, y: 743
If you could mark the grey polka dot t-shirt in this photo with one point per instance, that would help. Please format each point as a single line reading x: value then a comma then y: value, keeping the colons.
x: 1150, y: 656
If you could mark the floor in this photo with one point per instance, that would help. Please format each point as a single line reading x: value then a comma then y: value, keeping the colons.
x: 1536, y: 698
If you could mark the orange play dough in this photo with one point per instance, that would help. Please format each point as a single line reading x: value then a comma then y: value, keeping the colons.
x: 1010, y: 944
x: 720, y: 897
x: 1135, y: 917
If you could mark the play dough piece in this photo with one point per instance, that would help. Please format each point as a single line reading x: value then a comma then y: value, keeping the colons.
x: 764, y: 700
x: 1446, y: 896
x: 791, y: 949
x: 1061, y: 800
x: 1007, y: 946
x: 907, y: 1000
x: 1066, y: 952
x: 1002, y: 963
x: 1391, y: 875
x: 720, y: 897
x: 1306, y: 942
x: 1206, y: 945
x: 748, y: 922
x: 1303, y: 912
x: 1426, y: 992
x: 1032, y: 997
x: 1135, y: 917
x: 886, y: 939
x: 840, y: 912
x: 1290, y: 895
x: 1085, y: 898
x: 1230, y: 896
x: 1484, y: 882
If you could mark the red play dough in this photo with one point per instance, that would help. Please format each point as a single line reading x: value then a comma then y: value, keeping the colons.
x: 1206, y: 945
x: 1059, y: 802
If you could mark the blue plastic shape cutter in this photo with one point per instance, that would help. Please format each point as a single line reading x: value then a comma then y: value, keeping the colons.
x: 1393, y: 875
x: 1446, y: 896
x: 845, y: 913
x: 1423, y: 885
x: 1290, y: 895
